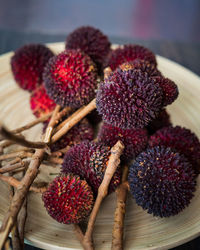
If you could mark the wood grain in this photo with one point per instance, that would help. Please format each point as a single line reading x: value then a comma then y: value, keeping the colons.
x: 142, y: 231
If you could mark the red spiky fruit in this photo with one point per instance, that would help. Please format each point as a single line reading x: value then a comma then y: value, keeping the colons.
x: 180, y: 139
x: 170, y: 89
x: 89, y: 161
x: 162, y: 181
x: 68, y: 199
x: 70, y: 78
x: 40, y: 102
x: 134, y: 140
x: 163, y: 120
x: 129, y: 53
x: 28, y: 63
x: 129, y: 99
x: 90, y: 40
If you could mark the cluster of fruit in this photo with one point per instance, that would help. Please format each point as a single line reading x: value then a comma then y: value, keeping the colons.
x: 131, y: 96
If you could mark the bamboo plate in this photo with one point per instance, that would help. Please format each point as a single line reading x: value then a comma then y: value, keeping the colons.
x: 142, y: 230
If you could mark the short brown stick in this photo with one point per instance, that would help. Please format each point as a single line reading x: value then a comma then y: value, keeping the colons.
x: 19, y: 140
x: 121, y: 192
x: 16, y: 244
x: 74, y: 119
x: 20, y: 154
x: 22, y: 221
x: 10, y: 167
x: 51, y: 125
x: 15, y: 183
x: 32, y: 124
x: 55, y: 160
x: 113, y: 163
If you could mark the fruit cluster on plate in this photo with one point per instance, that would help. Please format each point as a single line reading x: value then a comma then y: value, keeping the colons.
x: 131, y: 97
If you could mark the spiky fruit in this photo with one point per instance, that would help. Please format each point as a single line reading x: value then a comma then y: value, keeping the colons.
x: 40, y: 102
x: 28, y: 63
x: 129, y: 99
x: 170, y: 89
x: 129, y: 53
x: 143, y: 65
x: 82, y: 131
x: 180, y: 139
x: 90, y: 40
x: 163, y: 120
x: 162, y: 181
x: 134, y: 140
x: 89, y: 161
x: 70, y: 78
x: 68, y: 199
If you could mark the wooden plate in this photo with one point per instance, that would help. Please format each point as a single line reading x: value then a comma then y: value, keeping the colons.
x: 142, y: 230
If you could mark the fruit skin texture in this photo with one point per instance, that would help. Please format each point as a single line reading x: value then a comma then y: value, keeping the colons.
x: 162, y: 181
x: 180, y: 139
x: 81, y: 131
x: 163, y: 120
x: 134, y: 140
x: 89, y: 161
x: 170, y: 89
x: 40, y: 102
x: 68, y: 199
x: 143, y: 65
x: 70, y: 78
x: 90, y: 40
x: 129, y: 99
x: 128, y: 53
x: 28, y: 63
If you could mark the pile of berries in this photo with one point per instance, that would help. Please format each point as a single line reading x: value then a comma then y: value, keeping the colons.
x: 131, y: 100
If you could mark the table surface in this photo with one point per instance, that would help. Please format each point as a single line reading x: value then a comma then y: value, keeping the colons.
x: 186, y: 54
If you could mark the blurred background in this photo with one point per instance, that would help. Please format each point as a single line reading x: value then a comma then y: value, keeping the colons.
x: 168, y: 27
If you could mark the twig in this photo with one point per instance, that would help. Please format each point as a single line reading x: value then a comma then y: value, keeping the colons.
x: 15, y: 183
x: 74, y: 119
x: 55, y: 160
x: 51, y: 125
x: 32, y: 124
x: 117, y: 234
x: 22, y: 221
x: 19, y: 140
x: 9, y: 168
x: 19, y: 154
x: 21, y: 193
x: 16, y: 244
x: 5, y: 144
x: 113, y: 163
x: 62, y: 124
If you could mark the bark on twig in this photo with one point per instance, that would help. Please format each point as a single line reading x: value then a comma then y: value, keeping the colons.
x: 117, y: 234
x: 19, y: 154
x: 19, y: 140
x: 32, y: 124
x: 15, y: 183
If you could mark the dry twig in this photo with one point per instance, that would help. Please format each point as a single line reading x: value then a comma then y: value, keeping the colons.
x: 117, y: 234
x: 19, y: 140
